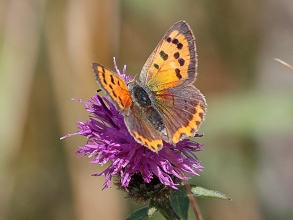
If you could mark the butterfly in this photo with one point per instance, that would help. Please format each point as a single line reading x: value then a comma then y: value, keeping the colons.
x: 163, y: 105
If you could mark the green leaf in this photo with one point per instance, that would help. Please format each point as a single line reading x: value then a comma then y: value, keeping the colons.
x: 180, y: 202
x: 201, y: 192
x: 138, y: 214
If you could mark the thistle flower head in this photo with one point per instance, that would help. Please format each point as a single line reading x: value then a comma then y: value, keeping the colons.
x: 109, y: 141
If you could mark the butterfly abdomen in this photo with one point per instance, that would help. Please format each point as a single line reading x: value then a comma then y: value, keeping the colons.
x: 156, y: 120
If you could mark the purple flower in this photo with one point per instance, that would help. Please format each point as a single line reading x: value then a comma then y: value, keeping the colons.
x: 110, y: 141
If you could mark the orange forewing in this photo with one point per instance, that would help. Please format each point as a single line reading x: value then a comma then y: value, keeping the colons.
x: 173, y: 62
x: 113, y: 85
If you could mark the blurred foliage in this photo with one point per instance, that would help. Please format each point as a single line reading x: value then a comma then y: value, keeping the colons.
x: 46, y: 48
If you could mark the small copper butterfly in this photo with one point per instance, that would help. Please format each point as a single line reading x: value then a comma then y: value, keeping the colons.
x: 163, y: 105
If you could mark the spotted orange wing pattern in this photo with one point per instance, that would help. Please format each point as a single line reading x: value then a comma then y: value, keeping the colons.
x: 169, y: 73
x: 173, y: 62
x: 113, y: 85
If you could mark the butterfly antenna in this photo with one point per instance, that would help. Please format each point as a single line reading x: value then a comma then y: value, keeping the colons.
x: 135, y: 76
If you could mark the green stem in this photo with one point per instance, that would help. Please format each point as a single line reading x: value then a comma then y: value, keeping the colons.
x: 166, y: 209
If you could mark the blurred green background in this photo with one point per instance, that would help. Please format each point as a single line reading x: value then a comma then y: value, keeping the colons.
x: 46, y: 50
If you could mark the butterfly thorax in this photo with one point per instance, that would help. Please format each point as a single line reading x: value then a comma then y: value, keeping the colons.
x: 139, y: 95
x: 142, y: 99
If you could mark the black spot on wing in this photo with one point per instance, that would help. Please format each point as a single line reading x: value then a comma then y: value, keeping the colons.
x: 120, y: 100
x: 163, y: 55
x: 179, y: 76
x: 175, y: 41
x: 176, y: 55
x: 179, y: 46
x: 181, y: 61
x: 112, y: 79
x: 104, y: 77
